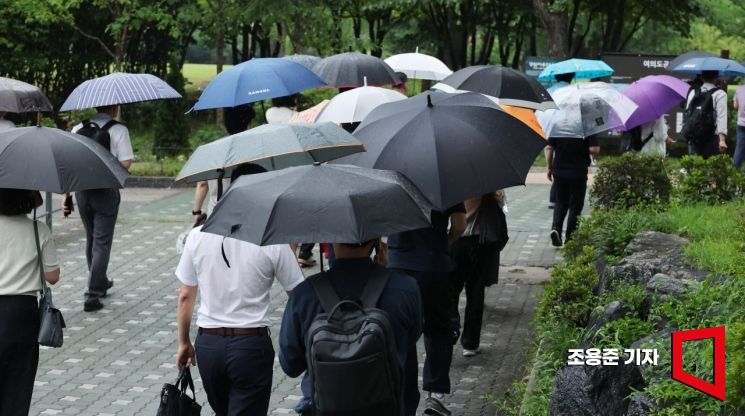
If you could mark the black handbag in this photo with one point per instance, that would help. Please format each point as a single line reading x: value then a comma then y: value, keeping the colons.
x: 50, y: 318
x: 174, y: 401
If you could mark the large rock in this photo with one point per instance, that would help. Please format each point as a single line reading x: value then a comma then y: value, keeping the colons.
x: 641, y: 405
x: 662, y: 284
x: 594, y: 390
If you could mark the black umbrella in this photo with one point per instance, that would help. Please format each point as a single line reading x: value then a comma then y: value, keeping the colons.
x: 20, y: 97
x: 511, y: 87
x: 305, y: 60
x: 321, y: 203
x: 686, y: 56
x: 452, y: 146
x: 348, y: 70
x: 52, y: 160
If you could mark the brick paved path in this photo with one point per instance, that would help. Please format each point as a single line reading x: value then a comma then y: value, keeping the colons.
x: 115, y: 361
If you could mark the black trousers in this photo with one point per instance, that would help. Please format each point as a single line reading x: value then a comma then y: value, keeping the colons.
x: 236, y: 373
x: 706, y: 149
x: 306, y: 251
x: 570, y: 199
x: 98, y: 211
x: 440, y: 330
x: 19, y: 353
x: 476, y: 264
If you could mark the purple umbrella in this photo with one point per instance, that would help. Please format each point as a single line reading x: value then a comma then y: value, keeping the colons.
x: 655, y: 95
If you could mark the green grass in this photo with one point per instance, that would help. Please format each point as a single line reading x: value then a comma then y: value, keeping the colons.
x: 198, y: 75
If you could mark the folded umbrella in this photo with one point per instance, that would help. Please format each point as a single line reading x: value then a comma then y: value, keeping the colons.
x: 273, y: 146
x: 419, y: 66
x: 507, y: 85
x: 305, y: 60
x: 688, y: 55
x: 725, y: 67
x: 581, y: 68
x: 654, y: 95
x: 256, y: 80
x: 20, y: 97
x: 452, y: 146
x: 330, y: 203
x: 353, y: 105
x: 586, y: 109
x: 53, y: 160
x: 348, y: 70
x: 118, y: 88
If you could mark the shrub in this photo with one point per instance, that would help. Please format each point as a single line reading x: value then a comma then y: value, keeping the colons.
x: 630, y: 180
x: 712, y: 181
x: 621, y: 333
x: 206, y: 134
x: 169, y: 123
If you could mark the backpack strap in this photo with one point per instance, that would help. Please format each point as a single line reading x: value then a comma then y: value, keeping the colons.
x: 109, y: 124
x: 374, y: 287
x: 647, y: 139
x: 325, y: 292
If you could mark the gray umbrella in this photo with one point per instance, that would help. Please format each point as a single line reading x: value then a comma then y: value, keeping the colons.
x: 305, y: 60
x: 329, y: 203
x: 273, y: 146
x: 20, y: 97
x: 53, y: 160
x: 349, y: 70
x: 118, y: 88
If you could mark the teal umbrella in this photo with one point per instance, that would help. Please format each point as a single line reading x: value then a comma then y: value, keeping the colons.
x: 581, y: 68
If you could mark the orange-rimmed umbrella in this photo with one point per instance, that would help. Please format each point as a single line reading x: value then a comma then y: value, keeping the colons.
x: 527, y: 116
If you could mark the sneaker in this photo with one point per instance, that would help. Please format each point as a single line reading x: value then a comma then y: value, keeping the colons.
x: 306, y: 262
x: 92, y: 306
x: 555, y: 238
x: 433, y: 405
x: 470, y: 353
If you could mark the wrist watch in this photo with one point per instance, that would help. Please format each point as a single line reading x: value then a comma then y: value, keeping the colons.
x: 197, y: 212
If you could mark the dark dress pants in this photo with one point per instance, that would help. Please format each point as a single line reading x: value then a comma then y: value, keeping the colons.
x: 739, y: 156
x: 706, y: 149
x: 98, y: 210
x: 236, y: 373
x: 570, y: 199
x: 19, y: 353
x: 476, y: 264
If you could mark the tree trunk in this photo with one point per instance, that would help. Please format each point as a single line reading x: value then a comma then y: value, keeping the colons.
x: 556, y: 23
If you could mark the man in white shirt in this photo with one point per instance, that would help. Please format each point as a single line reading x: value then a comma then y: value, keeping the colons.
x: 707, y: 147
x: 233, y: 348
x: 98, y: 210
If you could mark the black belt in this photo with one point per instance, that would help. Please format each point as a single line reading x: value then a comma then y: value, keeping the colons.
x: 234, y: 332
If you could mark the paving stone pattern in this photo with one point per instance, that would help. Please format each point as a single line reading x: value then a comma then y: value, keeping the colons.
x: 115, y: 361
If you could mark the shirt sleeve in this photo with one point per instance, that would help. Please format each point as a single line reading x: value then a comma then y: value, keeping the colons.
x: 121, y: 145
x: 185, y: 271
x: 291, y: 340
x: 48, y: 249
x: 286, y: 269
x: 720, y: 106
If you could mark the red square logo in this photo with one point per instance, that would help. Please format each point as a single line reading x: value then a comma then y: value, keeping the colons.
x: 718, y: 388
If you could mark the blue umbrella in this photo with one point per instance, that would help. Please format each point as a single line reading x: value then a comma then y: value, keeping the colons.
x: 582, y: 69
x: 118, y: 88
x: 726, y: 67
x: 256, y: 80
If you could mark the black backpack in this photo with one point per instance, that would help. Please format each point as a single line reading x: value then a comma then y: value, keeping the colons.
x: 352, y: 361
x: 699, y: 118
x: 632, y: 139
x: 97, y: 133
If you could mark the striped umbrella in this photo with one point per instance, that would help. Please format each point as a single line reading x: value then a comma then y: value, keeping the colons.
x: 118, y: 88
x: 20, y: 97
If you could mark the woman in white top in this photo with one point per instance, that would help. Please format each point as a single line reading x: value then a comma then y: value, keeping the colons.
x: 654, y: 134
x: 19, y: 285
x: 282, y: 109
x: 5, y: 124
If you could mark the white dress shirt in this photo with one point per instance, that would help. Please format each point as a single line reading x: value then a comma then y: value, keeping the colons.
x: 121, y: 146
x: 656, y: 145
x: 720, y: 106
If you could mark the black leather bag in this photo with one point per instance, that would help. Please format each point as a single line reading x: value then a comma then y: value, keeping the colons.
x: 50, y: 318
x: 174, y: 401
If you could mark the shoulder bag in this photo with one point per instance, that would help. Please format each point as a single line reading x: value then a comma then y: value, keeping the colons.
x: 51, y: 320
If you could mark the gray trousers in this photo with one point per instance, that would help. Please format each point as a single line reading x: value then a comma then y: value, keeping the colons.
x: 98, y: 210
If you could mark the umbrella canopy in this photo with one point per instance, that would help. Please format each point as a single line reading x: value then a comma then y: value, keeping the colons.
x: 53, y: 160
x: 305, y: 60
x: 655, y: 95
x: 509, y: 86
x: 586, y: 109
x: 452, y: 146
x: 348, y: 70
x: 688, y: 55
x: 256, y: 80
x: 582, y: 69
x: 330, y: 203
x: 353, y: 105
x: 273, y: 146
x: 20, y: 97
x: 419, y: 66
x: 725, y: 67
x: 118, y: 88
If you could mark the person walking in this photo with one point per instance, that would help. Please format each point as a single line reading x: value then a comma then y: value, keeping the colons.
x: 19, y: 285
x: 655, y: 138
x: 739, y: 103
x: 233, y: 350
x: 99, y: 209
x: 424, y: 254
x: 476, y: 256
x: 705, y: 121
x: 349, y: 275
x: 567, y: 159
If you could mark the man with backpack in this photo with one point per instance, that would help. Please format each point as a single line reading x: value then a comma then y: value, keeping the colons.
x: 705, y: 118
x: 351, y: 328
x: 100, y: 207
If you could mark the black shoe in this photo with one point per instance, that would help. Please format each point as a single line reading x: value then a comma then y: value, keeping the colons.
x: 92, y: 306
x: 555, y: 238
x: 109, y: 285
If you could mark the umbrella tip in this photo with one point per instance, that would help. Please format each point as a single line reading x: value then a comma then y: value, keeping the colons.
x: 429, y: 101
x: 316, y: 163
x: 364, y: 80
x: 417, y: 49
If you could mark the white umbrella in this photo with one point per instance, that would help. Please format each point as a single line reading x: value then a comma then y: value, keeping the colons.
x: 586, y: 109
x: 353, y: 105
x: 419, y: 66
x: 118, y: 88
